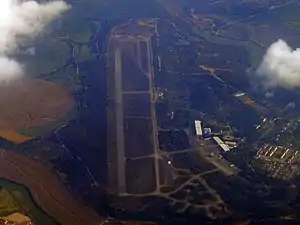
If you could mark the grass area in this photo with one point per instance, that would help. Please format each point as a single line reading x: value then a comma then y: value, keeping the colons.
x: 79, y: 30
x: 8, y: 204
x: 66, y: 78
x: 84, y: 53
x: 49, y: 53
x: 36, y: 131
x: 16, y: 198
x: 255, y: 52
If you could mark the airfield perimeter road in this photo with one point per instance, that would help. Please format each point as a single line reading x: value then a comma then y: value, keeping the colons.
x: 119, y: 118
x: 46, y: 188
x: 121, y: 43
x: 119, y: 112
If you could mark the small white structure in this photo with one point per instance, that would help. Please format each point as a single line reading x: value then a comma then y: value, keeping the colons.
x: 239, y: 94
x: 221, y: 144
x: 207, y: 130
x: 198, y: 127
x: 231, y: 144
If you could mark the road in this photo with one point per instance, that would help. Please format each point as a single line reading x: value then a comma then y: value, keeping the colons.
x: 153, y: 113
x: 118, y: 99
x: 119, y: 122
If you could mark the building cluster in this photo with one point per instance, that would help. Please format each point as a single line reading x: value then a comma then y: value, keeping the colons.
x: 225, y: 142
x: 221, y: 143
x: 213, y: 144
x: 278, y: 162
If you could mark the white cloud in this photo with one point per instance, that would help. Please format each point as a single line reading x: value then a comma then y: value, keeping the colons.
x: 21, y: 20
x: 269, y: 94
x: 10, y: 69
x: 30, y: 51
x: 280, y: 67
x: 290, y: 105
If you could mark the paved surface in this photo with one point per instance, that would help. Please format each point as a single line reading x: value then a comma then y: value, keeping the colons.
x: 119, y: 45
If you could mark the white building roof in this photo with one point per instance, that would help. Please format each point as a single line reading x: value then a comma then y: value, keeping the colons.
x: 207, y: 129
x: 218, y: 140
x: 198, y: 127
x: 221, y: 144
x: 225, y: 147
x: 239, y: 94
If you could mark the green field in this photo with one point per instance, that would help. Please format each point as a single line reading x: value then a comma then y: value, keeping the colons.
x: 16, y: 198
x: 8, y: 204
